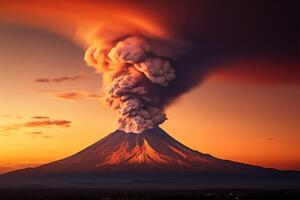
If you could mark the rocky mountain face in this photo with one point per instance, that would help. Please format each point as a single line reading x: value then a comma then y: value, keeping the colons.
x: 151, y: 150
x: 151, y: 157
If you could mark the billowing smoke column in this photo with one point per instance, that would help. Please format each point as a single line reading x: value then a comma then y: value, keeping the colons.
x: 134, y: 69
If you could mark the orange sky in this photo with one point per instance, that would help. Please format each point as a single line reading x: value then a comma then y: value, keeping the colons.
x: 236, y: 120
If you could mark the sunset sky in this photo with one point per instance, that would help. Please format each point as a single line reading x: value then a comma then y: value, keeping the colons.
x: 50, y: 105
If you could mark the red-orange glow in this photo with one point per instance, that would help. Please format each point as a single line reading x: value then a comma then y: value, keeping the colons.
x: 260, y: 71
x: 256, y: 122
x: 80, y: 20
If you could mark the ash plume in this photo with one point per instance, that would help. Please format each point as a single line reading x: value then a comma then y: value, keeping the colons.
x: 139, y: 71
x: 133, y: 73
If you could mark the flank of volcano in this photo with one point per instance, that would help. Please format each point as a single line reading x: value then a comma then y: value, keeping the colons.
x: 151, y: 157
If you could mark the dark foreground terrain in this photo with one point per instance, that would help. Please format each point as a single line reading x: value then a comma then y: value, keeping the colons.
x: 32, y: 193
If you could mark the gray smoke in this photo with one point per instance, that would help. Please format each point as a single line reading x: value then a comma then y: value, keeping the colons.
x: 132, y: 70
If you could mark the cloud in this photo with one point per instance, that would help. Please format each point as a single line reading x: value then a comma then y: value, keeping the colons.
x: 35, y: 133
x: 36, y: 123
x: 59, y: 79
x: 40, y: 117
x: 256, y: 37
x: 42, y: 80
x: 10, y: 127
x: 261, y: 29
x: 47, y: 123
x: 67, y: 78
x: 39, y: 134
x: 72, y: 95
x: 270, y: 138
x: 12, y: 116
x: 47, y: 137
x: 76, y: 95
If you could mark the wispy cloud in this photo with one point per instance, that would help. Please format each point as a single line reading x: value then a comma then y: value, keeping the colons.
x: 42, y: 80
x: 40, y: 117
x: 36, y: 123
x: 76, y: 95
x: 35, y: 133
x: 43, y: 123
x: 270, y: 138
x: 12, y: 116
x: 39, y: 134
x: 59, y: 79
x: 71, y: 95
x: 10, y: 127
x: 47, y: 136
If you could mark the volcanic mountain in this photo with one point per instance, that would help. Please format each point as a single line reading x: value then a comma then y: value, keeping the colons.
x: 149, y: 156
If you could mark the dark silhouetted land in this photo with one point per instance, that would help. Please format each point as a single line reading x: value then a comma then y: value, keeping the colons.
x: 93, y: 193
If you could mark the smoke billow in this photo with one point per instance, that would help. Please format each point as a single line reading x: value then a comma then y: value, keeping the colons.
x: 134, y: 69
x: 139, y: 71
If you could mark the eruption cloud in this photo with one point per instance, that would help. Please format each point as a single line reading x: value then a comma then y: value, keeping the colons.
x: 134, y: 71
x: 137, y: 46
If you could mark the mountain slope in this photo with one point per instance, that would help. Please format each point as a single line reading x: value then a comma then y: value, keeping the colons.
x: 151, y: 150
x: 150, y: 155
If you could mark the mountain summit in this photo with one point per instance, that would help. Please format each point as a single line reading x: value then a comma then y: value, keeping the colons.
x: 151, y: 155
x: 151, y: 150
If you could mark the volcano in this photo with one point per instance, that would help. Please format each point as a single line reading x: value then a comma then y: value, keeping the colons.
x: 149, y: 157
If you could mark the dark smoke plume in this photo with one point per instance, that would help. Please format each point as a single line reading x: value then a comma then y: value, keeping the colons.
x: 140, y: 77
x: 133, y: 70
